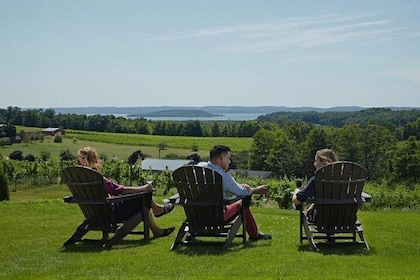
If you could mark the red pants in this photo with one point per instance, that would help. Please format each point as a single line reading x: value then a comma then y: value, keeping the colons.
x: 232, y: 209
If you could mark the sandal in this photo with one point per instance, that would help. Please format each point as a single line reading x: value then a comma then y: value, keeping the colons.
x: 261, y: 236
x: 167, y: 231
x: 167, y: 208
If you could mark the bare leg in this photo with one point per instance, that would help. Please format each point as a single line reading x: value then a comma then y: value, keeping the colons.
x: 156, y: 230
x: 159, y: 209
x: 156, y: 208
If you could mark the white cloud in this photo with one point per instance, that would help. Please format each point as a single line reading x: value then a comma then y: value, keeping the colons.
x: 303, y: 32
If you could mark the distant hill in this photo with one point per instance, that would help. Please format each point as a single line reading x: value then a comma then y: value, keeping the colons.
x: 174, y: 113
x: 209, y: 109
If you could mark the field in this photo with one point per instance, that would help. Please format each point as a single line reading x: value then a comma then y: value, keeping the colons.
x: 36, y: 223
x: 122, y: 145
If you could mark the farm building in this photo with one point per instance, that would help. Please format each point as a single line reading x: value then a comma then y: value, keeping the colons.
x: 53, y: 131
x: 159, y: 165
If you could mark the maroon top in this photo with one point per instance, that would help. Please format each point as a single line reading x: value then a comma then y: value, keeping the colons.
x: 112, y: 188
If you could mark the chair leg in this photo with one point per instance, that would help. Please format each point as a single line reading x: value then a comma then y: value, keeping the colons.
x: 145, y: 218
x: 308, y: 233
x: 232, y: 232
x: 81, y: 230
x: 180, y: 235
x: 362, y: 237
x: 243, y: 226
x: 124, y: 229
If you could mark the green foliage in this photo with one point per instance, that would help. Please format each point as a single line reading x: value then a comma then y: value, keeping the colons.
x: 45, y: 155
x: 398, y: 198
x: 405, y: 161
x: 25, y: 175
x: 5, y: 141
x: 58, y: 138
x: 4, y: 188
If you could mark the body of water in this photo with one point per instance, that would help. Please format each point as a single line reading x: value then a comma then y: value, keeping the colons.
x: 224, y: 117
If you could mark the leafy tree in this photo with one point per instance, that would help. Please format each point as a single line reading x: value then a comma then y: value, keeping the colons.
x: 160, y: 128
x: 31, y: 118
x: 193, y: 128
x: 162, y: 146
x: 376, y: 141
x: 97, y: 123
x: 248, y: 128
x: 411, y: 129
x: 318, y: 138
x: 406, y: 161
x: 348, y: 142
x: 215, y: 130
x: 260, y: 149
x: 8, y: 130
x: 283, y: 156
x: 298, y: 130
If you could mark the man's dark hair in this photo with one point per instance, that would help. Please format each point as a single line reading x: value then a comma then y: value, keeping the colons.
x: 218, y: 150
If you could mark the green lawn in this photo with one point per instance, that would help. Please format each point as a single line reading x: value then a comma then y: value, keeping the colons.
x: 36, y: 223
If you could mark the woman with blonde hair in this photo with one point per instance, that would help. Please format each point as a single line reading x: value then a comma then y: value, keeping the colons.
x: 322, y: 157
x: 87, y: 156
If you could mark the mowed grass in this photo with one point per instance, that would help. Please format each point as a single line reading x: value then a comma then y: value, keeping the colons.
x: 35, y: 223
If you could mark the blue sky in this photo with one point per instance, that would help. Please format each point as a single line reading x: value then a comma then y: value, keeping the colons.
x: 209, y: 53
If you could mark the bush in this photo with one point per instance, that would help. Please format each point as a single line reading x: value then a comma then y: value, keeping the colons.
x: 45, y: 155
x: 66, y: 155
x: 4, y: 189
x: 16, y: 155
x: 30, y: 158
x: 5, y: 141
x: 58, y: 138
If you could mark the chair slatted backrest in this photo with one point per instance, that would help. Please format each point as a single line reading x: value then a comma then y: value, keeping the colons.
x: 201, y: 193
x: 89, y: 192
x: 338, y: 193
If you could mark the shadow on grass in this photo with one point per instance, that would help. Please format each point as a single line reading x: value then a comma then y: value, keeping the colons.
x: 215, y: 248
x: 338, y: 249
x: 97, y: 246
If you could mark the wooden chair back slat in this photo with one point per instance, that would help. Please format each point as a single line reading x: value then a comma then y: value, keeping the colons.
x: 338, y: 189
x: 200, y: 191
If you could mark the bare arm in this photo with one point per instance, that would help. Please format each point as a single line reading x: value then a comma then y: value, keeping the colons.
x: 260, y: 190
x: 139, y: 189
x: 295, y: 200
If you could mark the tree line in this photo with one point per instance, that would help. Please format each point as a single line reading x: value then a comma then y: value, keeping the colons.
x: 383, y: 140
x: 403, y: 123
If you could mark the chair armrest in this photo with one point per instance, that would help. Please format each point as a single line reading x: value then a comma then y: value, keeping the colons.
x: 68, y: 199
x: 124, y: 197
x: 366, y: 197
x: 174, y: 199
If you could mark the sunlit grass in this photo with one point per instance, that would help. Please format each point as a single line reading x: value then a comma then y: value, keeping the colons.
x: 36, y: 223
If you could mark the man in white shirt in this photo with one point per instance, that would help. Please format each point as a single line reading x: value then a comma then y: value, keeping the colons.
x: 220, y: 159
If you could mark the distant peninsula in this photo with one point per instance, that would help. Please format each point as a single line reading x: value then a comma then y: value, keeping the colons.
x: 175, y: 113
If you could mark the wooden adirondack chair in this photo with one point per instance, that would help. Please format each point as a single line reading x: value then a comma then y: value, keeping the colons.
x: 89, y: 192
x: 201, y: 194
x: 338, y: 194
